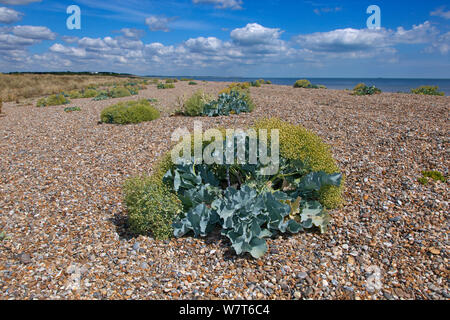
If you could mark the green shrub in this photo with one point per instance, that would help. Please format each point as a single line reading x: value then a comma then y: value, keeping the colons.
x: 53, y: 100
x: 240, y: 86
x: 307, y: 85
x: 185, y: 79
x: 72, y: 109
x: 133, y: 88
x: 171, y: 80
x: 1, y: 105
x: 129, y: 112
x: 423, y: 181
x: 119, y: 92
x: 90, y: 93
x: 428, y: 90
x: 195, y: 105
x: 192, y: 83
x: 256, y: 84
x: 363, y: 90
x: 297, y: 143
x: 165, y: 86
x: 102, y: 95
x: 268, y: 82
x: 151, y: 207
x: 302, y: 84
x: 434, y: 175
x: 75, y: 94
x: 3, y: 236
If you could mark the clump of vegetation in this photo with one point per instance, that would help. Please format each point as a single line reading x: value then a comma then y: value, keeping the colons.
x: 129, y: 112
x: 235, y: 102
x: 1, y: 105
x: 260, y: 82
x: 363, y: 90
x: 102, y: 95
x: 119, y: 92
x: 151, y: 206
x: 433, y: 175
x: 185, y: 79
x: 192, y: 83
x: 232, y: 100
x: 306, y: 84
x: 246, y: 203
x: 75, y: 94
x: 195, y: 105
x: 257, y: 84
x: 3, y: 236
x: 53, y: 100
x: 165, y: 85
x: 171, y: 80
x: 428, y: 90
x: 302, y: 84
x: 89, y: 93
x: 72, y: 109
x: 239, y: 86
x: 125, y: 89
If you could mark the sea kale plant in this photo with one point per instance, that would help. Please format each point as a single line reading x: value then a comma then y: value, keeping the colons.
x: 232, y: 100
x: 235, y: 102
x: 245, y: 200
x: 363, y: 90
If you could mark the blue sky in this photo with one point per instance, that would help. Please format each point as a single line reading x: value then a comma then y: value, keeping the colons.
x: 246, y: 38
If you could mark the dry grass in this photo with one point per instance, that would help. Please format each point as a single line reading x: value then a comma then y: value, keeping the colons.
x: 24, y: 86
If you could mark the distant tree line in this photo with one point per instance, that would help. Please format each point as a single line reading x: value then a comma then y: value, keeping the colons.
x: 84, y: 73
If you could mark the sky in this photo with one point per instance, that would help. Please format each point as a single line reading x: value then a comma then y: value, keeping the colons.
x: 236, y: 38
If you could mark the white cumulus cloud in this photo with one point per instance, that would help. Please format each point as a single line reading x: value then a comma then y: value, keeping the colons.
x: 158, y: 23
x: 9, y: 15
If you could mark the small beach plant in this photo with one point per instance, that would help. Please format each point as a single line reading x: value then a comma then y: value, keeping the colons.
x: 362, y: 90
x: 306, y: 84
x: 433, y: 175
x: 165, y: 85
x: 428, y: 90
x: 72, y: 109
x: 195, y: 105
x: 129, y: 112
x: 53, y: 100
x: 302, y: 84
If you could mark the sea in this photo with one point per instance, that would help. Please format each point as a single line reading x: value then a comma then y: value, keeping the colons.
x: 385, y: 84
